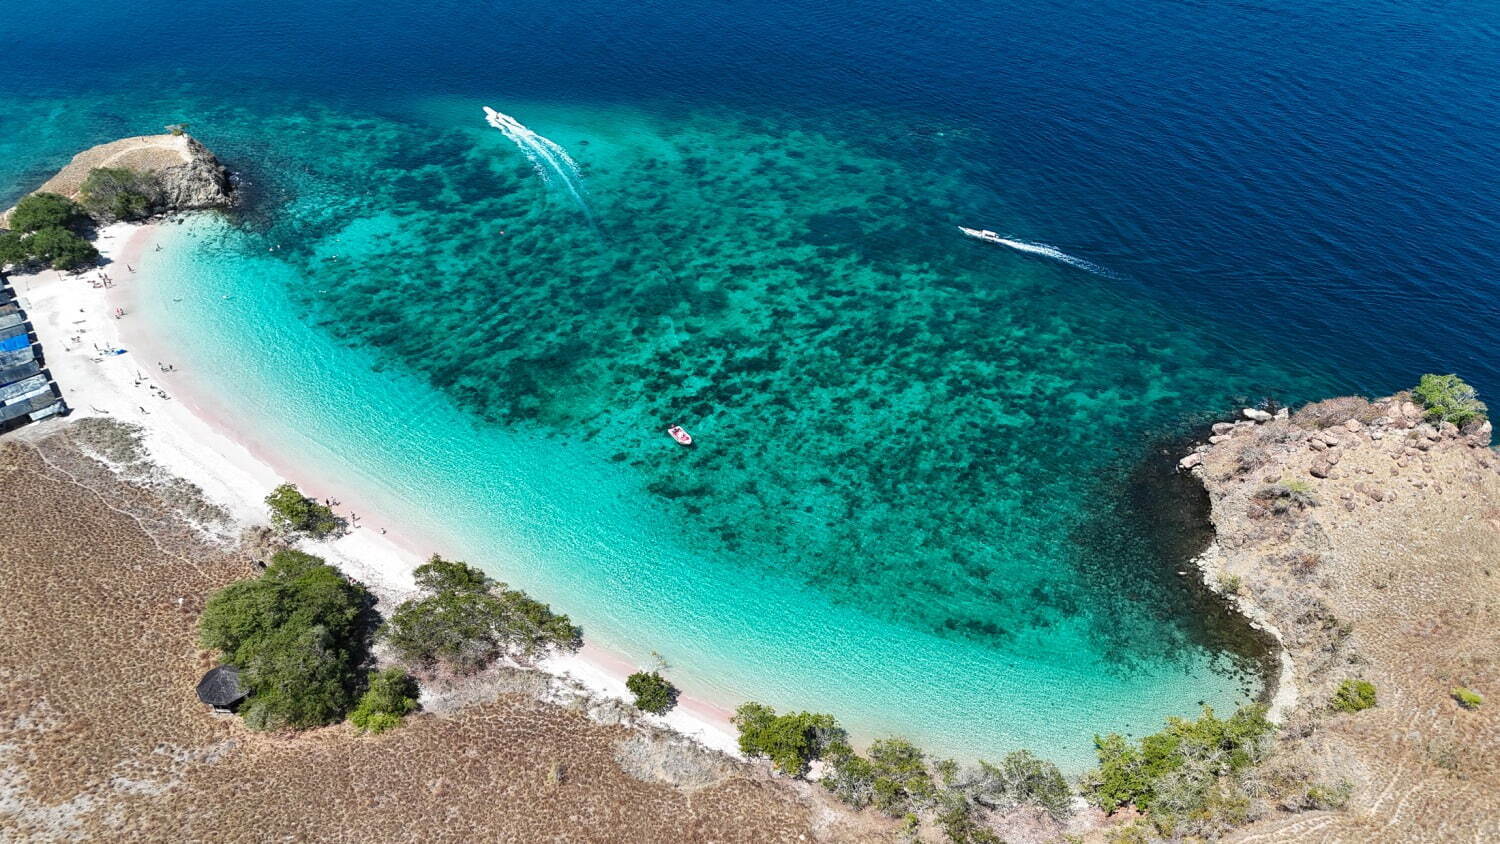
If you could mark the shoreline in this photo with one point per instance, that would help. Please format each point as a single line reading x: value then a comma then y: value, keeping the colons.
x: 188, y: 436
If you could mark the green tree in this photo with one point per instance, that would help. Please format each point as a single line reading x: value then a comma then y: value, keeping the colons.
x: 13, y: 250
x: 653, y: 693
x: 1187, y: 756
x: 291, y: 511
x: 119, y: 193
x: 60, y: 249
x: 46, y: 210
x: 392, y: 696
x: 298, y: 635
x: 465, y: 621
x: 1448, y: 399
x: 1354, y: 696
x: 894, y: 777
x: 955, y: 816
x: 1022, y: 779
x: 790, y: 741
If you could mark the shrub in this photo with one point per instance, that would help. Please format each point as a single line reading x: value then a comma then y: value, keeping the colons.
x: 1448, y: 399
x: 956, y: 819
x: 297, y: 634
x: 392, y: 695
x: 1282, y: 498
x: 652, y: 692
x: 1178, y: 766
x: 1328, y: 796
x: 466, y: 621
x: 44, y: 211
x: 119, y: 193
x: 1022, y: 779
x: 1330, y: 412
x: 1354, y: 696
x: 291, y: 511
x: 60, y: 249
x: 1468, y: 698
x: 894, y: 778
x: 790, y: 741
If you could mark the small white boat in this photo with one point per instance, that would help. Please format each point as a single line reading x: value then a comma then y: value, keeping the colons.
x: 682, y: 437
x: 983, y: 234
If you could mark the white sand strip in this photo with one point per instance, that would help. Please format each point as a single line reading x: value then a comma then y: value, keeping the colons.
x: 74, y: 317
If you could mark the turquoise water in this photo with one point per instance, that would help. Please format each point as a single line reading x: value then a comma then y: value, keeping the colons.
x: 929, y: 493
x: 901, y: 504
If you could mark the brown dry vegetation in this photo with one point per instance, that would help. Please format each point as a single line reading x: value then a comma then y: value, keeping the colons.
x: 101, y: 736
x: 1391, y: 576
x: 146, y: 153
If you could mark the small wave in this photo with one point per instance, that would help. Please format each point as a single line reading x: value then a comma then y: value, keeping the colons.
x: 1056, y: 254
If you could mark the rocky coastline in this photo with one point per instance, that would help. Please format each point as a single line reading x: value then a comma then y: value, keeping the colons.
x: 186, y: 174
x: 1366, y: 541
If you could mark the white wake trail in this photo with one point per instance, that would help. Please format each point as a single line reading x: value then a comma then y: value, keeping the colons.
x: 547, y: 157
x: 1056, y: 254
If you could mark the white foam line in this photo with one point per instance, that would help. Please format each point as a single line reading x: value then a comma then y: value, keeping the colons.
x: 1057, y: 255
x: 546, y: 156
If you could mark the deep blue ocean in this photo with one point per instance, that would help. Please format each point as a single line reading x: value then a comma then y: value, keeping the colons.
x: 929, y: 493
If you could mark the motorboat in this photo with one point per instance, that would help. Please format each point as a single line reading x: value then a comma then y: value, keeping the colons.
x: 984, y: 234
x: 682, y: 437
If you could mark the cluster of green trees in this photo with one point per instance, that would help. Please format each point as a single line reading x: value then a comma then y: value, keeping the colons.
x: 1448, y: 399
x: 465, y: 620
x: 293, y: 512
x: 653, y: 692
x: 300, y: 636
x: 896, y: 777
x: 120, y: 193
x: 46, y: 230
x: 1193, y: 778
x: 1189, y: 778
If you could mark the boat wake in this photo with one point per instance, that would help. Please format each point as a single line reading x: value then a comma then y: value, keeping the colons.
x: 548, y: 158
x: 1055, y: 254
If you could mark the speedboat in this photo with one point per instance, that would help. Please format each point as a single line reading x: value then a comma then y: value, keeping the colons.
x: 682, y: 437
x: 982, y: 234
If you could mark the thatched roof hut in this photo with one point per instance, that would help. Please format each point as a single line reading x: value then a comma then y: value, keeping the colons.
x: 221, y: 689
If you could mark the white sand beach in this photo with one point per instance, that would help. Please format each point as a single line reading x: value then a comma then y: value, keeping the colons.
x: 77, y: 322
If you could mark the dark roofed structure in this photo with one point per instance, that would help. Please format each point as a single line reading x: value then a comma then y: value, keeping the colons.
x: 221, y: 689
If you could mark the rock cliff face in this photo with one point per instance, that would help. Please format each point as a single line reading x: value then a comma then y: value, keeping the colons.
x: 198, y: 183
x: 1368, y: 541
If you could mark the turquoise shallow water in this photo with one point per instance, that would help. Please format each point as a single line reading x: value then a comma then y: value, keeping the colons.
x: 906, y: 505
x: 929, y: 494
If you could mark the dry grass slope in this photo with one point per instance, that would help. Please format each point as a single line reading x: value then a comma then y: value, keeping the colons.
x: 1393, y: 576
x: 101, y: 736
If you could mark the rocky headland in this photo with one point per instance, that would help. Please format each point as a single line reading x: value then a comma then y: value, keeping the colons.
x: 1367, y: 540
x: 187, y: 176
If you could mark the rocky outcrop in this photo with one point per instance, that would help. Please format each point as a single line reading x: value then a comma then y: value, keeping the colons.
x: 199, y: 183
x: 187, y: 176
x: 1367, y: 540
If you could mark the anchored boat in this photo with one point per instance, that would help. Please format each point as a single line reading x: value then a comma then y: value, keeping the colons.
x: 682, y: 437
